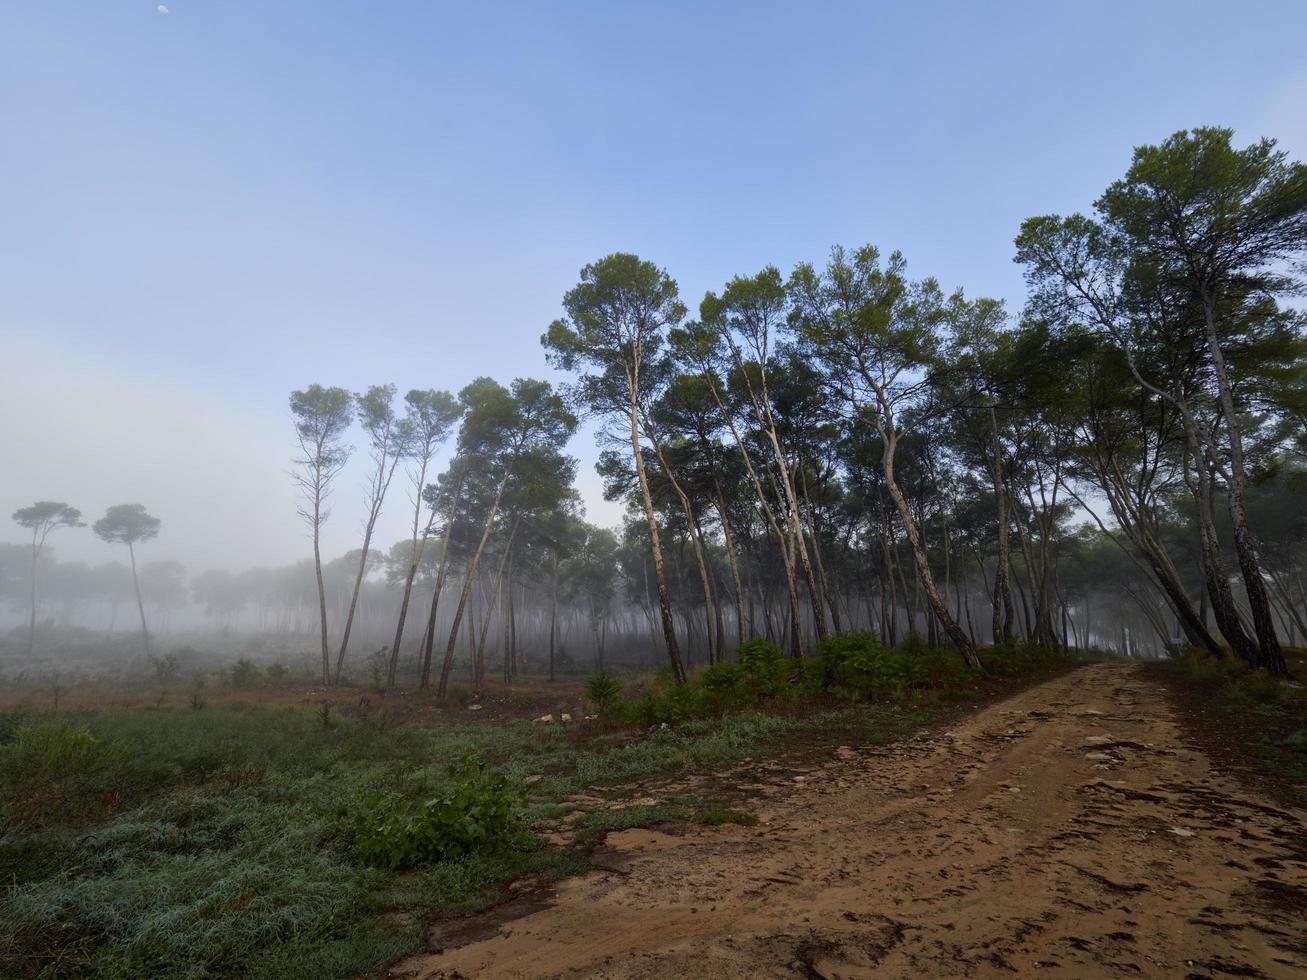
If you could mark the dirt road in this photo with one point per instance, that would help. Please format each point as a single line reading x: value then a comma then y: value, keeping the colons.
x: 1068, y: 831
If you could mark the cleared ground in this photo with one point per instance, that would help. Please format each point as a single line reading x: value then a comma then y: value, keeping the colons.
x: 1071, y: 830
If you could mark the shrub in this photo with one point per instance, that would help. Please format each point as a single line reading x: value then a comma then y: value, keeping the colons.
x: 603, y: 692
x: 167, y: 667
x: 50, y: 750
x: 765, y: 666
x: 244, y: 674
x: 725, y: 687
x: 276, y: 674
x: 477, y: 811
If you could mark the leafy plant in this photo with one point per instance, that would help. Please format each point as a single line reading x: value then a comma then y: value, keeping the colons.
x: 478, y: 810
x: 245, y: 674
x: 603, y: 692
x: 765, y: 666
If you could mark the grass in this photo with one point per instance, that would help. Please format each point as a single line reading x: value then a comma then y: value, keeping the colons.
x: 1247, y: 718
x: 163, y: 840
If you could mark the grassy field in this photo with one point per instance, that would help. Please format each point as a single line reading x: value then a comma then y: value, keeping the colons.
x: 252, y: 833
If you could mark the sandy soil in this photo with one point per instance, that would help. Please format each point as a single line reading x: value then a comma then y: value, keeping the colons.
x: 1068, y: 831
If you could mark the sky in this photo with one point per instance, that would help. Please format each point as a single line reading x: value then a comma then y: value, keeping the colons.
x: 209, y: 203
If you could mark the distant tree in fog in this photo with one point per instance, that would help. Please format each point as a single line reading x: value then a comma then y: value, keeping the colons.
x: 164, y: 583
x: 128, y: 524
x: 41, y: 518
x: 322, y: 416
x: 376, y: 413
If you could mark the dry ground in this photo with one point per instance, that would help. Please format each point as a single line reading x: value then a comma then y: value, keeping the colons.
x: 1068, y: 831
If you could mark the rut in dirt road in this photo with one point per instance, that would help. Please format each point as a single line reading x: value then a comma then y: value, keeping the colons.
x: 1065, y: 832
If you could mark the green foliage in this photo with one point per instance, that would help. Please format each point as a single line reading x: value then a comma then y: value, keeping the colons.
x: 167, y: 667
x: 765, y: 666
x: 603, y: 692
x: 861, y: 665
x: 725, y: 687
x: 50, y: 750
x: 245, y: 674
x: 476, y: 810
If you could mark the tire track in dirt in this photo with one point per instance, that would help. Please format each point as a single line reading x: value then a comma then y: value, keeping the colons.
x: 1065, y: 832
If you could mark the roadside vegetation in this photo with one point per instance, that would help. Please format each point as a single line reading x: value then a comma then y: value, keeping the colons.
x: 1249, y: 719
x: 301, y: 840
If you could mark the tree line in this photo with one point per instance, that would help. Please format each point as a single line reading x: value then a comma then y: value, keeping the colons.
x: 1122, y: 464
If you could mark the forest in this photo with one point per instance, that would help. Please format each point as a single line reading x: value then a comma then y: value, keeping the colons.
x: 843, y: 447
x: 920, y: 603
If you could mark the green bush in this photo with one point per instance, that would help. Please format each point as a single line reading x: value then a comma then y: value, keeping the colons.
x: 245, y: 674
x: 725, y: 687
x: 667, y: 703
x: 861, y: 665
x: 603, y: 692
x: 50, y: 750
x: 765, y: 666
x: 477, y: 811
x: 1014, y: 657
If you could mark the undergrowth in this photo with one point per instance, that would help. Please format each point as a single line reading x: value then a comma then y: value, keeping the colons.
x: 271, y: 840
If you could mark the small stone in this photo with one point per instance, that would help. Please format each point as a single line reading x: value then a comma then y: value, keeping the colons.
x: 1180, y: 832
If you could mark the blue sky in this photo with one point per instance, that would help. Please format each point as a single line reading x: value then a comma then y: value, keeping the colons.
x: 204, y: 208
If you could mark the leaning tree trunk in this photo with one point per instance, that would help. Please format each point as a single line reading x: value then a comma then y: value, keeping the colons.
x: 467, y: 590
x: 1272, y: 658
x: 429, y: 638
x: 937, y: 604
x: 656, y: 545
x: 692, y: 524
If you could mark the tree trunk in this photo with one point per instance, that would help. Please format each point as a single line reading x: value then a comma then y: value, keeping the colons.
x: 443, y: 687
x: 553, y: 617
x: 1272, y: 658
x: 140, y: 606
x: 950, y: 626
x: 656, y: 546
x: 429, y: 638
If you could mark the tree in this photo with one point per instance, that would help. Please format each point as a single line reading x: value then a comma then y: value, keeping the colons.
x: 616, y: 319
x: 164, y: 586
x: 130, y: 524
x: 875, y: 334
x: 1223, y: 225
x: 426, y: 425
x: 322, y: 417
x: 42, y: 518
x: 750, y: 313
x: 506, y: 432
x: 387, y: 442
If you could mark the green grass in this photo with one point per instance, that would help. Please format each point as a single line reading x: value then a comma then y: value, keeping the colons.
x: 211, y: 843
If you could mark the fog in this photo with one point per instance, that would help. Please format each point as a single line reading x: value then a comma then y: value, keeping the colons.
x: 213, y: 467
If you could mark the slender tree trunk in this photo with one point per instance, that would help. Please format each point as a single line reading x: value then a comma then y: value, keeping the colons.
x: 692, y: 526
x: 950, y: 626
x: 553, y: 617
x: 731, y: 559
x: 317, y: 571
x: 429, y: 639
x: 31, y: 596
x: 655, y: 542
x: 1271, y: 656
x: 140, y: 606
x: 443, y: 687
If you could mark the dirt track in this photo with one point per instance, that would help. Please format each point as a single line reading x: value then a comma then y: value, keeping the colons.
x: 1068, y: 831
